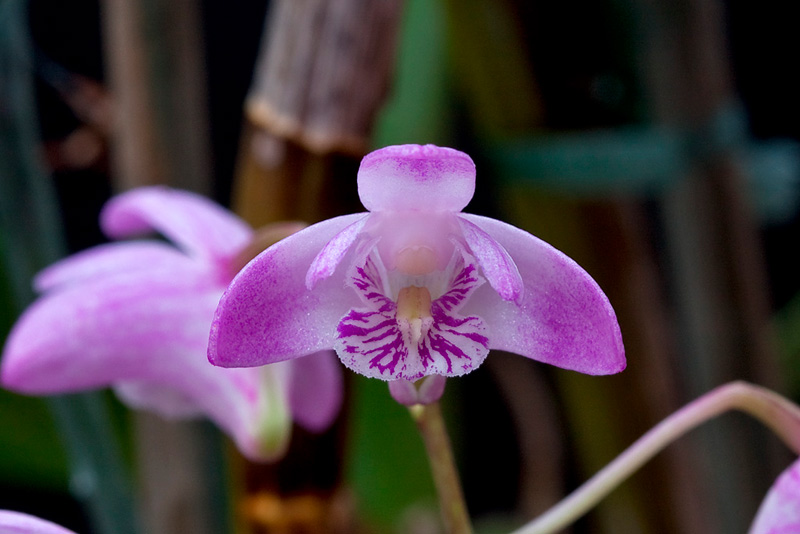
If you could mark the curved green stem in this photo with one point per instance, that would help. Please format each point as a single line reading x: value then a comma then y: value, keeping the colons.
x: 437, y: 444
x: 775, y: 411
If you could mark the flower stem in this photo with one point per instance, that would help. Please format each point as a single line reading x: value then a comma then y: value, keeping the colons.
x: 778, y: 413
x: 451, y: 499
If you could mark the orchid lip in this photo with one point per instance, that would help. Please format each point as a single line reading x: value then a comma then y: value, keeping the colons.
x: 411, y: 336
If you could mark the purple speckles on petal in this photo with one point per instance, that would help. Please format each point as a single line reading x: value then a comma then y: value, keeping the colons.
x: 370, y: 343
x: 382, y: 342
x: 464, y: 283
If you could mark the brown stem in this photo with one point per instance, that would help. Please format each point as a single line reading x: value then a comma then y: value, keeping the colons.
x: 437, y: 444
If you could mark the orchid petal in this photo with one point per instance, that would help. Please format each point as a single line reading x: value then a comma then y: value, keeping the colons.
x: 496, y: 264
x: 268, y: 315
x: 110, y: 260
x: 316, y: 390
x: 404, y: 392
x: 416, y: 178
x: 19, y: 523
x: 779, y: 513
x: 194, y: 223
x: 563, y: 318
x: 431, y: 389
x: 332, y: 253
x: 133, y: 327
x: 427, y: 390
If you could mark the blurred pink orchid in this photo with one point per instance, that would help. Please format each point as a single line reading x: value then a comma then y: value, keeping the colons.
x: 136, y: 315
x: 19, y: 523
x: 400, y: 292
x: 780, y: 511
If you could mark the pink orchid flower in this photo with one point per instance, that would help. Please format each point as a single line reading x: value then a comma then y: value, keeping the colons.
x: 780, y: 511
x: 415, y: 287
x: 19, y: 523
x: 136, y: 315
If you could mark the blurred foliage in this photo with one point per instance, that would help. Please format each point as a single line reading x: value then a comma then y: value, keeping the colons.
x: 418, y: 109
x: 787, y: 326
x: 32, y: 237
x: 32, y: 455
x: 31, y: 452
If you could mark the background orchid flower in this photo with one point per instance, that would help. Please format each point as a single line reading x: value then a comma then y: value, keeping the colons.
x: 780, y: 511
x: 135, y: 315
x: 415, y: 287
x: 19, y: 523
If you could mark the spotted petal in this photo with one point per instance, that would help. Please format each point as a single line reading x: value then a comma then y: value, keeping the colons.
x: 375, y: 342
x: 563, y: 318
x: 194, y: 223
x: 19, y: 523
x: 780, y: 511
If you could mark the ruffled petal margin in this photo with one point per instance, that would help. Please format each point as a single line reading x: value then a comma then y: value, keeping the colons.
x: 563, y: 317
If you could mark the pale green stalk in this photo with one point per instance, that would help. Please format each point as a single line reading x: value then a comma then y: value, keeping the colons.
x: 778, y: 413
x: 445, y: 476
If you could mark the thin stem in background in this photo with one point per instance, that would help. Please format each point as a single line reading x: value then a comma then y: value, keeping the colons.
x: 778, y: 413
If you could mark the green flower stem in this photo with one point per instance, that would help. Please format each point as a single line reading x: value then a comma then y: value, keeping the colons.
x: 776, y: 412
x: 451, y: 499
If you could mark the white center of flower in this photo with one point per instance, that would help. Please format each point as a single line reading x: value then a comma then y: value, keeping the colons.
x: 414, y: 312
